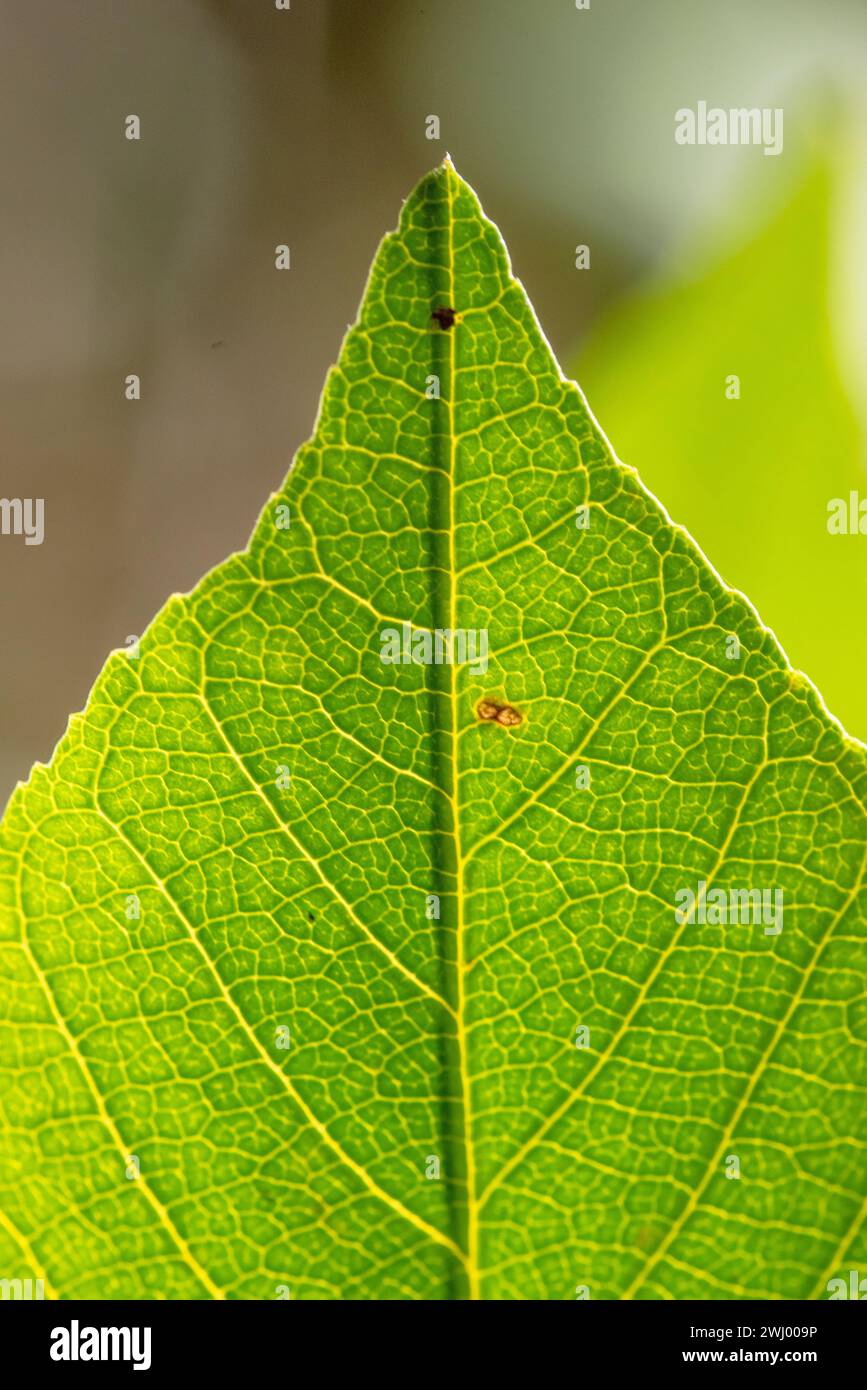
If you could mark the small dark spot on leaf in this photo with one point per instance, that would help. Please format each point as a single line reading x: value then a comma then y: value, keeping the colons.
x: 492, y: 710
x: 445, y: 317
x: 310, y: 917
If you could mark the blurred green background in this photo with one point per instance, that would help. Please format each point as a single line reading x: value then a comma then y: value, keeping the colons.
x: 307, y: 126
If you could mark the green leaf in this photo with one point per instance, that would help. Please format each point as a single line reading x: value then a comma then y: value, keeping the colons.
x: 283, y: 806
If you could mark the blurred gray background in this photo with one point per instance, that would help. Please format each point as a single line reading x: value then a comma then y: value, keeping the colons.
x: 308, y: 127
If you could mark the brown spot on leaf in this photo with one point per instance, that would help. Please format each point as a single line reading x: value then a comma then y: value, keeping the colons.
x: 506, y: 715
x: 445, y: 317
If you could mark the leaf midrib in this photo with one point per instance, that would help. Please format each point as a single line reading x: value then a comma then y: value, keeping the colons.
x: 471, y: 1254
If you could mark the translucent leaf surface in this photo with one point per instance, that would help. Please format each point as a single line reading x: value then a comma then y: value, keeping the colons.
x: 250, y: 1087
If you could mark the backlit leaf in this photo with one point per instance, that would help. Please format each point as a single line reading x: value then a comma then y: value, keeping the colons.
x: 329, y: 977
